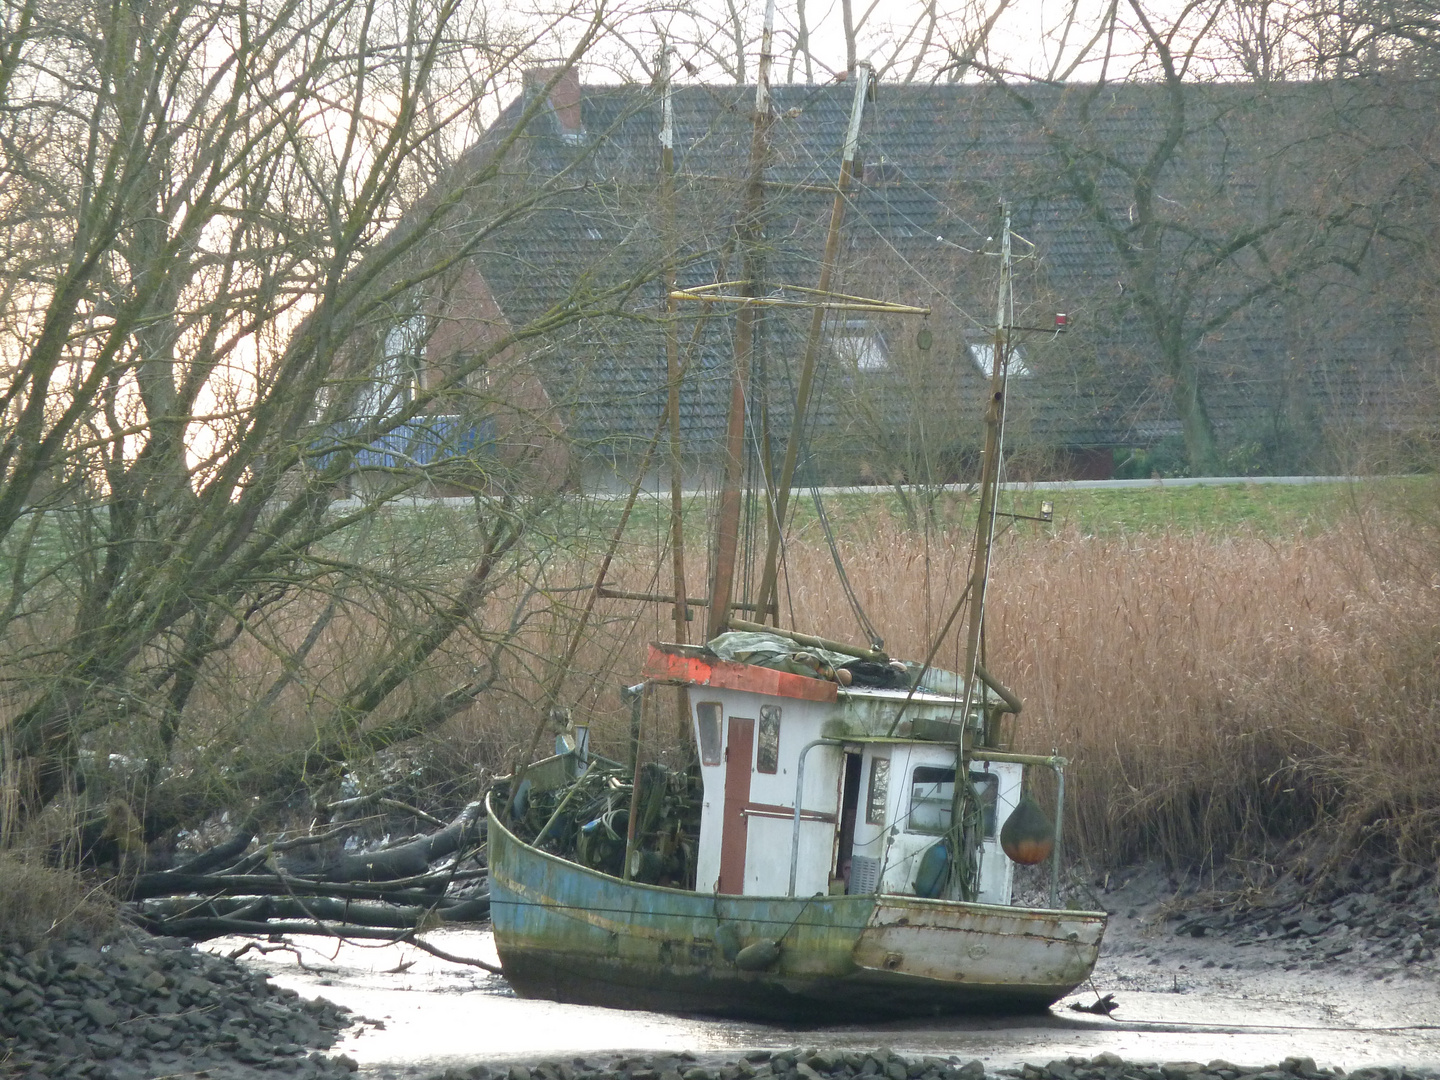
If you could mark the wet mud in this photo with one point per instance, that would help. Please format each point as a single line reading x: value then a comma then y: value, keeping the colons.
x: 1180, y: 998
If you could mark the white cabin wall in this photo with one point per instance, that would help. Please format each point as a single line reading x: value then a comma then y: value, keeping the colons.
x: 769, y: 838
x: 712, y: 808
x: 905, y: 847
x: 896, y: 848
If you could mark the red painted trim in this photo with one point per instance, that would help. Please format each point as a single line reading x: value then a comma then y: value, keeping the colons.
x: 666, y: 666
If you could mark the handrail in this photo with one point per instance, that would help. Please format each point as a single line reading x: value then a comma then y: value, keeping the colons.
x: 799, y: 792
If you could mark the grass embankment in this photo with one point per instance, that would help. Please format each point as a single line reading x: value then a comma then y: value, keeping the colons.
x: 1228, y: 668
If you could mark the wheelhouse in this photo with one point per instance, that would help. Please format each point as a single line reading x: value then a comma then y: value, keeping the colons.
x: 811, y: 787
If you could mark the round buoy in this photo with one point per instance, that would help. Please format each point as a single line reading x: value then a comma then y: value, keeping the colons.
x: 1028, y: 836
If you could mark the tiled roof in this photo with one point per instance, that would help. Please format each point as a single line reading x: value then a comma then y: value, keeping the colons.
x: 940, y: 157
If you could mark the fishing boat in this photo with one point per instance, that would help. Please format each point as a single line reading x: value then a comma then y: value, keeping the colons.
x: 844, y: 842
x: 816, y: 895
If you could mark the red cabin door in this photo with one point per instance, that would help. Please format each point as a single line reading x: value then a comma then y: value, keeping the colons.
x: 734, y: 833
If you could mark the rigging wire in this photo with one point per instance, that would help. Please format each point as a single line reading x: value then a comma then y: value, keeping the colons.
x: 883, y: 193
x: 803, y: 426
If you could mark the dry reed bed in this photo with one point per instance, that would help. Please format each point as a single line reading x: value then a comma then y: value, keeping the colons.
x: 1219, y: 696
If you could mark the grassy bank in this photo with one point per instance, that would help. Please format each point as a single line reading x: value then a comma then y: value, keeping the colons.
x: 1254, y: 506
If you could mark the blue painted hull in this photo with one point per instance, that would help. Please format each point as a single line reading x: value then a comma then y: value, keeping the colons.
x: 568, y: 933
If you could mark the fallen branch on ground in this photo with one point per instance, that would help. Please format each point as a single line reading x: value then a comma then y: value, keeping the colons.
x: 388, y: 893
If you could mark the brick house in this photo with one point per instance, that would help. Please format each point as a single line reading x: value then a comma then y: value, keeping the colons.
x: 1284, y: 369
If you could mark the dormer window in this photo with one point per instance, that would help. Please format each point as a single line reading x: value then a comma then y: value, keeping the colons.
x: 883, y: 171
x: 983, y: 353
x: 857, y: 342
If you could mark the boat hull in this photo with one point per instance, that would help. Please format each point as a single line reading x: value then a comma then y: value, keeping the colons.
x: 568, y: 933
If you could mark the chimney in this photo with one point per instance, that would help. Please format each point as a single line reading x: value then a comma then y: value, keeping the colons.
x: 564, y: 99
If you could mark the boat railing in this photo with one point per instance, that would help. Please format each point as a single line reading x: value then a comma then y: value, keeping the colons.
x: 799, y: 794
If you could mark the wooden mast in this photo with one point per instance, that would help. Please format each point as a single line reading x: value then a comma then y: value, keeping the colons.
x: 766, y: 598
x: 990, y: 464
x: 727, y: 528
x: 963, y: 792
x: 672, y: 399
x: 672, y: 344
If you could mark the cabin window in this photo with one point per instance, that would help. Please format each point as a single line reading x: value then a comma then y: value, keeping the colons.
x: 987, y: 787
x: 879, y: 791
x: 932, y: 790
x: 707, y: 721
x: 767, y: 753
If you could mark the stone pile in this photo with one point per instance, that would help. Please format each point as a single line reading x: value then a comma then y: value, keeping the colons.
x: 1393, y: 921
x: 149, y: 1007
x: 883, y: 1064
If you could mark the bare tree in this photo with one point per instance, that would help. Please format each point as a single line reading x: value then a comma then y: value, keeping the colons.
x: 214, y: 242
x: 1192, y: 251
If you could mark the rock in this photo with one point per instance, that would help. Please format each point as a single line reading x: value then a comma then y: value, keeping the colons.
x: 100, y: 1013
x: 78, y: 955
x: 67, y: 1019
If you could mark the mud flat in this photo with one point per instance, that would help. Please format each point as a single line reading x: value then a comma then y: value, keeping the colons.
x: 1205, y: 989
x: 1344, y: 976
x: 1181, y: 998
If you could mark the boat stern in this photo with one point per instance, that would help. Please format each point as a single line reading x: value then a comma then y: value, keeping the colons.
x: 998, y: 957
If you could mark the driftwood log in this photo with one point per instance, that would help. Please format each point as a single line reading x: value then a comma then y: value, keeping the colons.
x: 310, y: 884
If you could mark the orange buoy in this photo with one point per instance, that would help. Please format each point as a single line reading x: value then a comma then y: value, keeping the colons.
x: 1028, y: 836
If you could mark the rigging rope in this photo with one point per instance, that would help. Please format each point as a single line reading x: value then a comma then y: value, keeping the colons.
x: 866, y: 626
x: 803, y: 426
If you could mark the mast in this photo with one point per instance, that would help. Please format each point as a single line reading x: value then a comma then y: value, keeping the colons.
x: 672, y: 344
x: 672, y: 398
x: 990, y: 463
x: 727, y: 528
x: 766, y: 598
x: 963, y: 797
